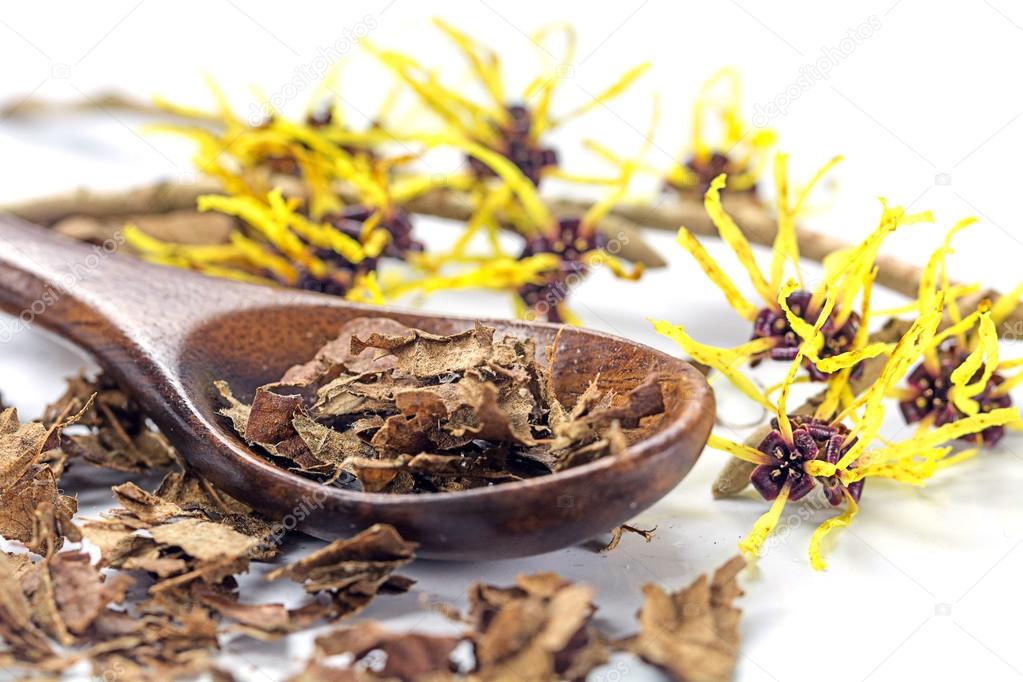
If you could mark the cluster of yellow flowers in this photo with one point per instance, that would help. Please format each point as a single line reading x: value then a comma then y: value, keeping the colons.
x: 956, y: 391
x: 319, y: 203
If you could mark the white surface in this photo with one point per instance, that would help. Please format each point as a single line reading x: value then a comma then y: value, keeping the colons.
x: 927, y: 110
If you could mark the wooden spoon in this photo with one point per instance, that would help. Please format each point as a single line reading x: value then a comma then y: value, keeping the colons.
x: 167, y: 334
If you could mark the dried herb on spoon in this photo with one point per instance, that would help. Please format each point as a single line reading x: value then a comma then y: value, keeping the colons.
x: 387, y: 408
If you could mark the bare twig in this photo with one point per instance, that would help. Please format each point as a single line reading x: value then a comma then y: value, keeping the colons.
x: 752, y: 216
x: 165, y: 197
x: 755, y: 220
x: 32, y: 107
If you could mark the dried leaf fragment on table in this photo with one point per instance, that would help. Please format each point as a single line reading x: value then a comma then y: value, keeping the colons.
x: 120, y: 436
x: 540, y: 628
x: 354, y: 570
x: 692, y: 634
x: 409, y: 656
x: 28, y: 480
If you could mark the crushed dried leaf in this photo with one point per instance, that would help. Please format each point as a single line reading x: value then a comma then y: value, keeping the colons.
x: 119, y: 437
x: 692, y: 634
x: 387, y: 408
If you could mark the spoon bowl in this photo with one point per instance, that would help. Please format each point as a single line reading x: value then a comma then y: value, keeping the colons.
x: 167, y: 334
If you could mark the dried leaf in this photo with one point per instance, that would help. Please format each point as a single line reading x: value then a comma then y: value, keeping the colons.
x: 355, y: 569
x: 120, y: 436
x: 28, y: 484
x: 404, y: 411
x: 692, y: 634
x: 423, y: 355
x: 409, y: 656
x: 17, y: 629
x: 540, y: 629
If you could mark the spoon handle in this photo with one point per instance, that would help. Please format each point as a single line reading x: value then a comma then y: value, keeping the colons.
x: 99, y: 299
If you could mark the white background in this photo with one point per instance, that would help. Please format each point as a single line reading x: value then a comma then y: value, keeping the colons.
x: 926, y: 110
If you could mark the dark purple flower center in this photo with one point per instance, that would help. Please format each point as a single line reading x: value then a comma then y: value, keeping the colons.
x: 570, y: 243
x: 397, y: 221
x: 705, y: 170
x: 928, y: 394
x: 812, y: 439
x: 772, y: 323
x: 519, y: 147
x: 350, y: 221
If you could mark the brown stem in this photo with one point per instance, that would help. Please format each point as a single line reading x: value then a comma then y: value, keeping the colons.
x: 168, y: 196
x: 734, y: 477
x: 755, y: 220
x: 162, y: 197
x: 32, y: 107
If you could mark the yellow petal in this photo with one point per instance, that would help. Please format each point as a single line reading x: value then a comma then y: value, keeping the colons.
x: 1006, y: 304
x: 783, y: 398
x: 1009, y: 384
x: 947, y: 433
x: 853, y: 357
x: 818, y: 467
x: 812, y: 340
x: 905, y: 353
x: 984, y: 355
x: 714, y: 272
x: 840, y: 521
x: 523, y: 188
x: 484, y: 61
x: 743, y: 452
x: 609, y: 93
x: 735, y: 239
x: 765, y: 525
x: 785, y: 245
x: 726, y: 361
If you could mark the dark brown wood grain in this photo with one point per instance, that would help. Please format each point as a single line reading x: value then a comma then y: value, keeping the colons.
x: 167, y: 334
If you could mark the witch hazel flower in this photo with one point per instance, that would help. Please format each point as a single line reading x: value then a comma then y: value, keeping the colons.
x: 838, y: 447
x: 514, y: 125
x: 822, y: 322
x: 961, y: 373
x: 559, y: 250
x: 738, y: 150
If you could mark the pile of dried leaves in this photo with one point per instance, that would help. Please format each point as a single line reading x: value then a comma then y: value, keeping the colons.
x: 164, y: 588
x: 59, y: 608
x: 542, y: 628
x: 387, y: 408
x: 390, y: 407
x: 119, y: 436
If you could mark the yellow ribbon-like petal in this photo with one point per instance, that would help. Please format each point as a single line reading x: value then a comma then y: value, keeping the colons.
x: 726, y: 361
x: 822, y: 531
x: 765, y: 525
x: 734, y: 237
x: 716, y: 275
